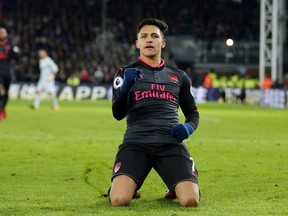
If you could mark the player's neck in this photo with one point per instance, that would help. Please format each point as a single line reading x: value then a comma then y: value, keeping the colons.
x: 153, y: 61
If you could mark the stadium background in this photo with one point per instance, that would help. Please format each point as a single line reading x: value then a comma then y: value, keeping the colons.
x: 90, y: 39
x: 59, y: 163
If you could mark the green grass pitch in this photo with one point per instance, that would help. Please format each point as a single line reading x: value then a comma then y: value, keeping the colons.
x: 59, y: 163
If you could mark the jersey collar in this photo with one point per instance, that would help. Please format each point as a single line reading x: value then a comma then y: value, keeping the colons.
x: 162, y: 63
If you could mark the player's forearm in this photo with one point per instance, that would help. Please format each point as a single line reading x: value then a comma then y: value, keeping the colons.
x: 193, y: 119
x: 120, y: 107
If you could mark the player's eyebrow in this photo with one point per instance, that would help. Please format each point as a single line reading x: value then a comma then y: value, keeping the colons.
x: 150, y: 33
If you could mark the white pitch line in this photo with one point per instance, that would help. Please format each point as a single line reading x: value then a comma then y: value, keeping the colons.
x: 240, y: 140
x: 206, y: 118
x: 59, y: 137
x: 14, y: 137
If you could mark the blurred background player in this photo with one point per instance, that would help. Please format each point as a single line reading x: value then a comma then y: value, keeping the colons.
x: 7, y: 52
x: 46, y: 83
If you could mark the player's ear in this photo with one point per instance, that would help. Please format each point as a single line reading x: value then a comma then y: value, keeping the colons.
x: 163, y: 43
x: 137, y: 44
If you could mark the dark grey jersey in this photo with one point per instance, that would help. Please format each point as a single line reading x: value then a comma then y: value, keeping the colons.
x: 151, y: 106
x: 6, y: 54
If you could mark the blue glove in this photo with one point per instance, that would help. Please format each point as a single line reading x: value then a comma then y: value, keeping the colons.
x: 182, y: 131
x: 131, y: 76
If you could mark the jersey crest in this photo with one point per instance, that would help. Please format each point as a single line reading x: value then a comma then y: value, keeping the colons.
x: 173, y: 78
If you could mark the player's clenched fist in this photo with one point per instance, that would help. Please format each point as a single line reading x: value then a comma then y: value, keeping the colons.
x: 131, y: 76
x: 182, y: 131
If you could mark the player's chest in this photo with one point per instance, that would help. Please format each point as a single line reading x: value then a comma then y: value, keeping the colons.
x: 44, y: 64
x: 157, y: 76
x: 158, y: 81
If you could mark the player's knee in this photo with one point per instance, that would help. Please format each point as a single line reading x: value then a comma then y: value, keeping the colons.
x: 119, y: 200
x: 189, y: 201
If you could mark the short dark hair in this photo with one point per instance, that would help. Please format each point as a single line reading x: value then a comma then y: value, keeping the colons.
x: 156, y: 22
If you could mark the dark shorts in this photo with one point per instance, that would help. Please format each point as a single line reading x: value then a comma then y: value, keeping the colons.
x: 172, y: 162
x: 5, y: 80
